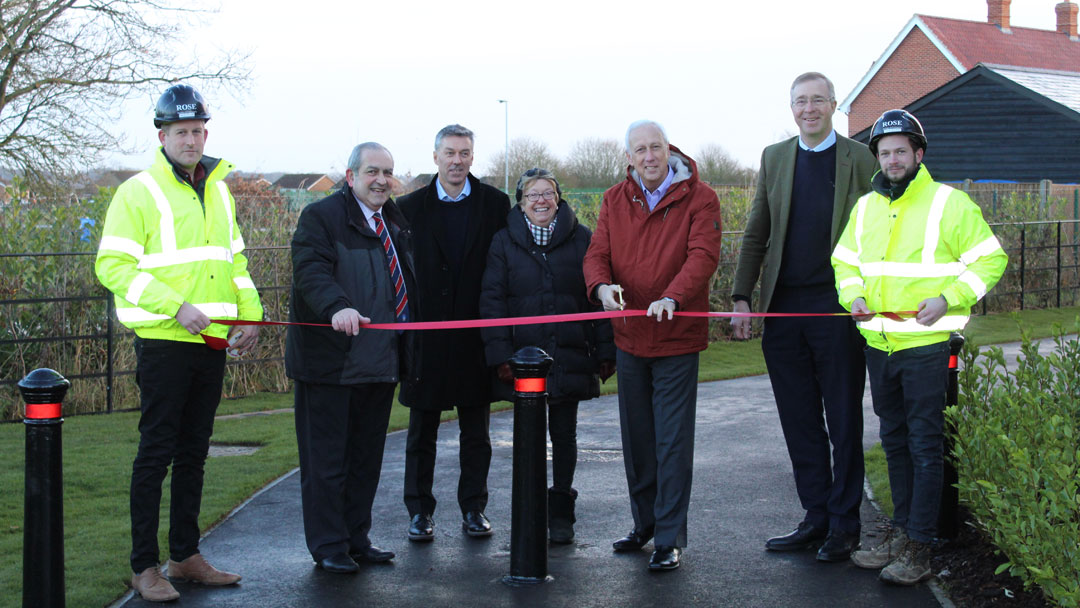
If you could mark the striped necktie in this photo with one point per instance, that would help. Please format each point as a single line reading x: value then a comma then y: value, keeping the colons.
x: 401, y: 299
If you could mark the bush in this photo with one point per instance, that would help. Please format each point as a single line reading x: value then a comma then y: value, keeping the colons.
x: 1018, y: 460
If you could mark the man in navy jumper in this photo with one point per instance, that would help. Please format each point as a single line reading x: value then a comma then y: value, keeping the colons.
x: 806, y: 190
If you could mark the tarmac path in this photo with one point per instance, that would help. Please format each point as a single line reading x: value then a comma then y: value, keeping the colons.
x: 743, y: 493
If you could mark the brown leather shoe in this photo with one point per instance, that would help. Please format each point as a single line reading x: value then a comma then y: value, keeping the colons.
x: 153, y: 587
x: 195, y: 569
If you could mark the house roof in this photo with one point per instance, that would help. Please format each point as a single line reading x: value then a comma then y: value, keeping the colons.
x: 966, y: 44
x: 1062, y: 87
x: 298, y: 181
x: 1058, y: 91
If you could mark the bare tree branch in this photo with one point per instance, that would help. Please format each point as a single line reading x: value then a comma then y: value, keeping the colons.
x: 67, y: 65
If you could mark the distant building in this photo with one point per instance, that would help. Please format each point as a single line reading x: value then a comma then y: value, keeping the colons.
x: 1002, y: 124
x: 307, y: 182
x: 303, y: 188
x: 932, y: 51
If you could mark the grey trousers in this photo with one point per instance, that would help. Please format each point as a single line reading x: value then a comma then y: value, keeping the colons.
x: 657, y: 406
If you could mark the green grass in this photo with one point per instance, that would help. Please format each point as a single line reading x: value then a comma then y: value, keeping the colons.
x: 1001, y: 328
x: 99, y: 449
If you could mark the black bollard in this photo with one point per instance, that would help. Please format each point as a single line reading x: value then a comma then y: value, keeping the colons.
x: 949, y: 513
x: 43, y: 391
x: 528, y: 517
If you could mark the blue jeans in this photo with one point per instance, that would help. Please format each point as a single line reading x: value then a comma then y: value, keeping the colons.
x: 908, y: 388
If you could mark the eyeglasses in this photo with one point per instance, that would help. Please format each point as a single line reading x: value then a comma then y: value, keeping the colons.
x: 817, y: 102
x: 535, y: 196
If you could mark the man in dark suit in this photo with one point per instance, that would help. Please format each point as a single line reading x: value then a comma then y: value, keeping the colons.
x: 351, y: 266
x: 806, y: 189
x: 453, y: 221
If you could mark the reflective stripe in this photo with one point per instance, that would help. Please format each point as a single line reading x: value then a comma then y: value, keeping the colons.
x: 136, y: 315
x: 218, y: 310
x: 986, y: 247
x: 911, y: 270
x: 933, y: 223
x: 166, y: 229
x: 909, y: 326
x: 243, y: 283
x: 214, y: 310
x: 846, y: 255
x: 238, y: 245
x: 973, y: 281
x: 137, y: 287
x: 186, y: 256
x: 118, y: 243
x: 860, y: 215
x: 224, y: 190
x: 853, y: 281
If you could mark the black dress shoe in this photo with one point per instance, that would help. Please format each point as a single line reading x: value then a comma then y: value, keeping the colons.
x: 339, y: 563
x: 665, y: 558
x: 839, y: 546
x: 371, y: 554
x: 475, y: 523
x: 422, y: 528
x: 633, y: 541
x: 806, y: 536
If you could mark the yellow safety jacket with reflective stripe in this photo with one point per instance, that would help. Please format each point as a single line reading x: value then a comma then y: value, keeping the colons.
x: 160, y: 247
x: 930, y: 241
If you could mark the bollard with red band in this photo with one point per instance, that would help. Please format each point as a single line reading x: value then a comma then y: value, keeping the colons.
x: 43, y: 391
x: 528, y: 515
x: 949, y: 513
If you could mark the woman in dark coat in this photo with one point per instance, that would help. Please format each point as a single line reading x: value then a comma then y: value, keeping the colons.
x: 534, y: 268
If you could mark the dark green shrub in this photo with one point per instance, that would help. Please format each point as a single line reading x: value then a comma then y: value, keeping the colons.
x: 1017, y: 452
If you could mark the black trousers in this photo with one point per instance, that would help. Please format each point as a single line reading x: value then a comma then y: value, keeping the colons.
x: 818, y: 376
x: 180, y: 388
x: 474, y: 457
x: 562, y: 427
x: 340, y: 434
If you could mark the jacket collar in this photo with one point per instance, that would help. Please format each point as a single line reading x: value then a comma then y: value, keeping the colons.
x: 565, y: 223
x: 904, y: 191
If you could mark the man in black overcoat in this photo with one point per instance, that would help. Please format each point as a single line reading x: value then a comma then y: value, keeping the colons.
x: 453, y: 221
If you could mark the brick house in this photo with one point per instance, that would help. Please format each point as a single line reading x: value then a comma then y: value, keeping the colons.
x: 932, y: 51
x: 308, y: 182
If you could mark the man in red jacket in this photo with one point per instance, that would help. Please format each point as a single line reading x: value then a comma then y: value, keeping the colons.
x: 656, y: 245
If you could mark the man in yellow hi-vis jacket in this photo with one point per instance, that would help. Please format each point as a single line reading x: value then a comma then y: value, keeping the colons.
x: 172, y: 254
x: 911, y: 244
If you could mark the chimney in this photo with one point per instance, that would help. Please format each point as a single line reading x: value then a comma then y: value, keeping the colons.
x: 997, y: 13
x: 1066, y: 19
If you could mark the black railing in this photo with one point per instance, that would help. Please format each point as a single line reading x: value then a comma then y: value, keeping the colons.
x: 1043, y: 272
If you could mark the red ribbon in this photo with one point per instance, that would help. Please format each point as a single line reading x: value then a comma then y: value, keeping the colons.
x: 222, y: 344
x: 42, y: 411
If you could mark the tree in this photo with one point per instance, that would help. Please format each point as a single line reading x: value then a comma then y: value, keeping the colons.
x: 717, y: 167
x: 525, y: 153
x: 65, y: 66
x: 595, y: 163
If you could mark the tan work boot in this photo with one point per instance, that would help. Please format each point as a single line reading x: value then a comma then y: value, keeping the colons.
x: 195, y: 569
x: 153, y: 587
x: 884, y: 552
x: 911, y: 567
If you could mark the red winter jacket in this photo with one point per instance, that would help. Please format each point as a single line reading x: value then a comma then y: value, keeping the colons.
x: 669, y: 252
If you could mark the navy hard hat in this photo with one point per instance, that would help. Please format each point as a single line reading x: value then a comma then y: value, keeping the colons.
x: 898, y: 122
x: 180, y: 102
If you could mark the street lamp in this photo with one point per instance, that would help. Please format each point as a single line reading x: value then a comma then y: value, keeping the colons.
x: 506, y: 131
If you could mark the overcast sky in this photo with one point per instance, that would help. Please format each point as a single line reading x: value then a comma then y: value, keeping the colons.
x: 329, y: 74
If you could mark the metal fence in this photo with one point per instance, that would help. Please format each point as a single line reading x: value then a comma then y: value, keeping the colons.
x: 77, y: 333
